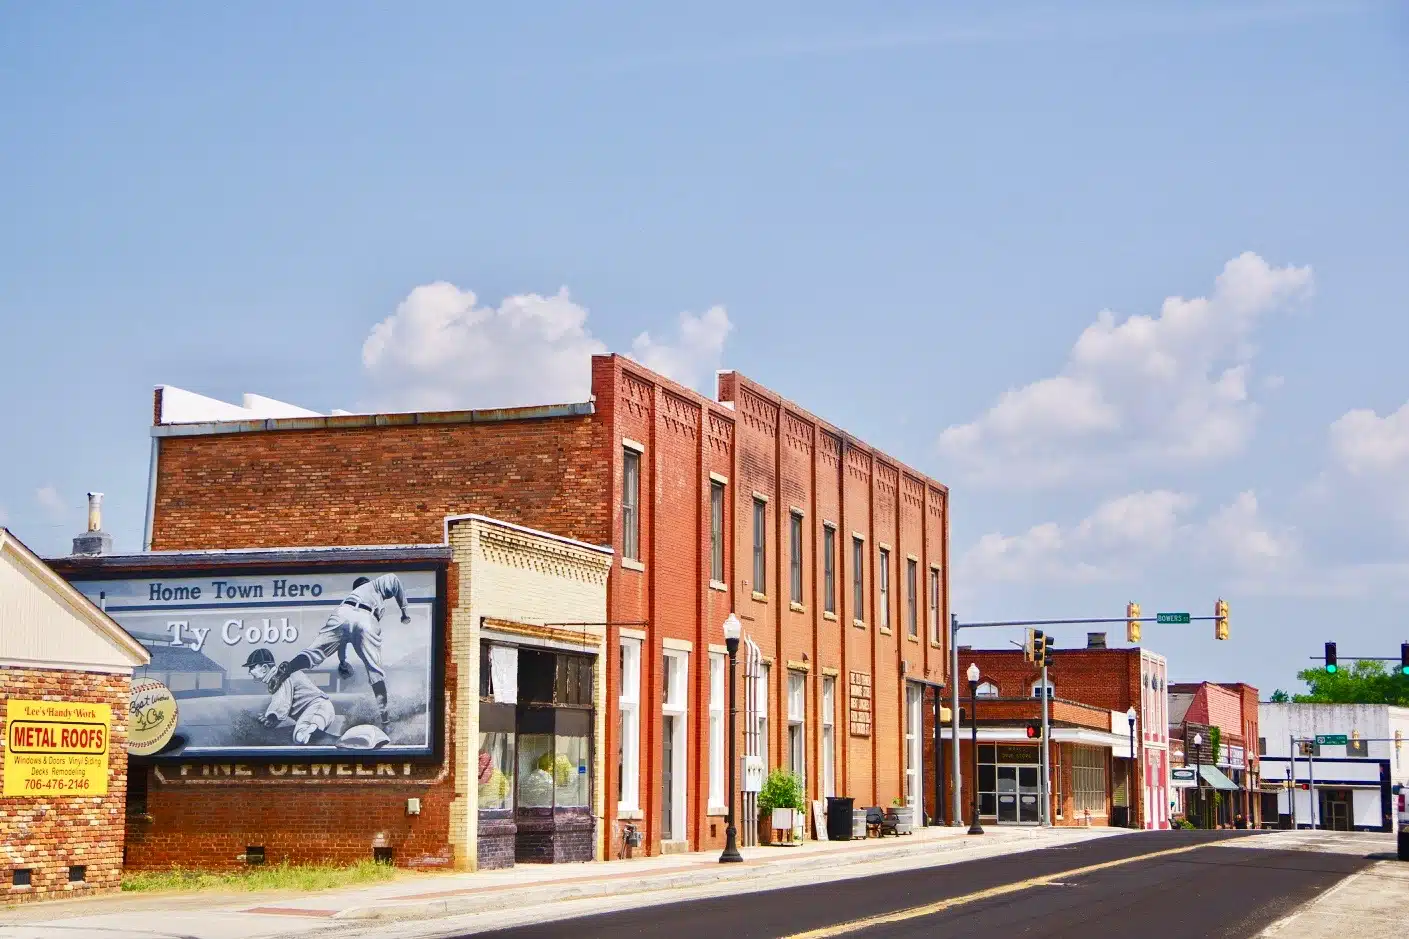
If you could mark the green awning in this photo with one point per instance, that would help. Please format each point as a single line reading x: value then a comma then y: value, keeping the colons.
x: 1215, y: 778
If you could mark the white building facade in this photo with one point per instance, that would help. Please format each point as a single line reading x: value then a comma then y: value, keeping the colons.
x: 1352, y: 782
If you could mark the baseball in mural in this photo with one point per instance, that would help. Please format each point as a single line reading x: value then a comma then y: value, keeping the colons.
x: 287, y: 663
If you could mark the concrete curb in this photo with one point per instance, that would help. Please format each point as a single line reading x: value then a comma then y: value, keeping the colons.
x: 501, y: 899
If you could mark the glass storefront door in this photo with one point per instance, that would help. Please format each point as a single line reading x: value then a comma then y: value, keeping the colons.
x: 1028, y: 806
x: 1009, y: 784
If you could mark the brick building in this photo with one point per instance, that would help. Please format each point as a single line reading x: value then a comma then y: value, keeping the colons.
x: 65, y: 680
x: 1229, y: 782
x: 833, y: 555
x: 1094, y: 779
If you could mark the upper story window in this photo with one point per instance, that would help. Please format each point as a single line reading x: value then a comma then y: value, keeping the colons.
x: 716, y: 531
x: 760, y: 549
x: 795, y: 557
x: 1037, y: 690
x: 631, y: 504
x: 829, y: 569
x: 883, y: 572
x: 987, y: 689
x: 934, y: 604
x: 858, y: 594
x: 912, y: 621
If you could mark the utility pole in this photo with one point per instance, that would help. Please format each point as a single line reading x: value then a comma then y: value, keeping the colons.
x: 956, y: 815
x: 1046, y: 756
x: 1291, y: 777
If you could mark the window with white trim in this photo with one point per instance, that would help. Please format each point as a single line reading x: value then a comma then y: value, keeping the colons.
x: 884, y: 574
x: 987, y: 689
x: 797, y: 741
x: 716, y: 731
x: 630, y: 504
x: 1037, y: 690
x: 760, y: 547
x: 912, y: 615
x: 716, y: 531
x: 858, y: 594
x: 829, y: 569
x: 628, y: 757
x: 1088, y: 780
x: 795, y: 557
x: 761, y: 702
x: 934, y: 604
x: 829, y: 739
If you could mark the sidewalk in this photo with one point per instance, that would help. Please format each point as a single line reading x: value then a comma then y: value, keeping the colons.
x: 421, y: 896
x: 1369, y: 905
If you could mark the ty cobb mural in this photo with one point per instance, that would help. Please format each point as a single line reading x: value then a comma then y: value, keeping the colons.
x: 267, y: 662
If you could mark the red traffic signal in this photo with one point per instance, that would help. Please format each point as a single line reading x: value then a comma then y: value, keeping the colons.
x: 1304, y: 787
x: 1034, y: 731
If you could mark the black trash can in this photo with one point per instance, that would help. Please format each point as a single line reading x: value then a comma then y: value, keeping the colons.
x: 839, y: 809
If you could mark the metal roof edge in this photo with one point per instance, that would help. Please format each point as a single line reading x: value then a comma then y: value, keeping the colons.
x: 242, y: 557
x: 356, y: 421
x: 537, y: 532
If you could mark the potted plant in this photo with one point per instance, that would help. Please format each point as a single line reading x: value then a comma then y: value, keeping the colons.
x: 904, y: 817
x: 780, y: 804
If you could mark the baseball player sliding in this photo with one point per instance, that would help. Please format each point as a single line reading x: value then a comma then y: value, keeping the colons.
x: 357, y: 622
x: 297, y: 699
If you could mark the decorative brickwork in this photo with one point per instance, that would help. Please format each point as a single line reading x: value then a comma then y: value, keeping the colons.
x: 860, y: 704
x: 49, y: 835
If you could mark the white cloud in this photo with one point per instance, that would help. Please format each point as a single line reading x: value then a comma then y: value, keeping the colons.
x: 1171, y: 388
x: 1239, y: 533
x: 1367, y: 445
x: 695, y: 354
x: 1102, y: 546
x: 442, y: 349
x: 52, y: 504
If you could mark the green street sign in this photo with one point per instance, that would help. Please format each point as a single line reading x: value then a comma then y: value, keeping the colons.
x: 1172, y: 619
x: 1331, y: 740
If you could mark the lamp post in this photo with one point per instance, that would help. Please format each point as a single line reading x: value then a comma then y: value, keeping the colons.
x: 1130, y: 772
x: 1199, y: 763
x: 973, y: 674
x: 732, y: 629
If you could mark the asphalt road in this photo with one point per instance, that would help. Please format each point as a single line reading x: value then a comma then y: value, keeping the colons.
x: 1155, y: 885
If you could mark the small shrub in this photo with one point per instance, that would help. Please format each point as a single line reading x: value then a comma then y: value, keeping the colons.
x: 781, y: 790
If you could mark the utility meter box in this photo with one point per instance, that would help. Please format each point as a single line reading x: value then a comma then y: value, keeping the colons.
x: 751, y: 774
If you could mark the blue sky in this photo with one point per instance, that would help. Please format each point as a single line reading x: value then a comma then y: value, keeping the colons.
x: 906, y: 217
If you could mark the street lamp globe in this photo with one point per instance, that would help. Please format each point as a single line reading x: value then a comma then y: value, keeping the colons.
x: 732, y: 628
x: 1198, y: 740
x: 973, y: 673
x: 1130, y: 715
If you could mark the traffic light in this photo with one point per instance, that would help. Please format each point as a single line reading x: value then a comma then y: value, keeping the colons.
x: 1030, y: 646
x: 1304, y: 787
x: 1034, y: 731
x: 1331, y: 666
x: 1404, y: 658
x: 1132, y: 622
x: 1220, y: 619
x: 1040, y: 641
x: 1047, y: 645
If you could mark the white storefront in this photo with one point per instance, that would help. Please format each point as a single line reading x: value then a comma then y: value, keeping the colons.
x: 1352, y: 781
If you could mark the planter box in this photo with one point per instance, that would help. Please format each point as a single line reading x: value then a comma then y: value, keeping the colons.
x: 788, y: 821
x: 904, y: 820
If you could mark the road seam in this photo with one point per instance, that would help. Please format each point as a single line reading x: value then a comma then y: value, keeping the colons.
x: 939, y: 906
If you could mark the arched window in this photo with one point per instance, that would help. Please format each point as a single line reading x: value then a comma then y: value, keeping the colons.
x: 1037, y: 690
x: 987, y: 689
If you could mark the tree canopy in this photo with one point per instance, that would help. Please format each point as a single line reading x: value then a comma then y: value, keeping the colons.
x: 1362, y: 683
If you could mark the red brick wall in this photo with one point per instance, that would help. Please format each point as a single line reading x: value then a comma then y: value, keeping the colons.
x: 377, y: 485
x: 47, y: 835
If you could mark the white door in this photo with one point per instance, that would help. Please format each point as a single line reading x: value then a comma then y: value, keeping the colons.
x: 914, y: 731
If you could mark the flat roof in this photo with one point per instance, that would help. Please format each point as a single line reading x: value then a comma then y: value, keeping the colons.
x: 93, y: 564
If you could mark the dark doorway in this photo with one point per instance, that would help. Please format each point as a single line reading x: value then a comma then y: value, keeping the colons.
x: 667, y: 824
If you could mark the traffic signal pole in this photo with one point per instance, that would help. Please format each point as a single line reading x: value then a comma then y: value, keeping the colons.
x: 1046, y: 786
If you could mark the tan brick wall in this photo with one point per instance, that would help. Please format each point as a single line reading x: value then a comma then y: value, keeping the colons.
x: 47, y: 835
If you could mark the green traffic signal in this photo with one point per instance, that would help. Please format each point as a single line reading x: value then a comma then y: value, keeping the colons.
x: 1331, y: 668
x: 1331, y: 658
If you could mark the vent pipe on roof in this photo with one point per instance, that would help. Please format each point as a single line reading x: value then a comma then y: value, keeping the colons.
x: 1095, y: 640
x: 94, y: 540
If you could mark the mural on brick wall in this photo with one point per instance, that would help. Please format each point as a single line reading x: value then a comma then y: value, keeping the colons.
x: 285, y: 663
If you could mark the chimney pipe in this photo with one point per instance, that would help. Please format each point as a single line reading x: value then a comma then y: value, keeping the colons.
x: 94, y: 540
x: 1095, y: 640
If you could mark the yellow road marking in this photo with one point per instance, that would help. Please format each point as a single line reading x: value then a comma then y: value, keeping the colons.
x: 939, y: 906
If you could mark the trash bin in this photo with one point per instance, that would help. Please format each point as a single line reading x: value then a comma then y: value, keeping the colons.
x: 839, y: 810
x: 1120, y: 816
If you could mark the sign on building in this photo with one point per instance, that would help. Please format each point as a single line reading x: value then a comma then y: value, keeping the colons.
x: 56, y: 748
x: 1184, y: 777
x: 282, y: 664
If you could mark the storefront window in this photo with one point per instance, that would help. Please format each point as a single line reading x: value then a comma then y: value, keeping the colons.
x: 496, y: 770
x: 570, y: 772
x: 536, y: 775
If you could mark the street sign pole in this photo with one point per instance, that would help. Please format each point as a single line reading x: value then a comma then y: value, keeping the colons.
x: 1291, y: 777
x: 1311, y: 782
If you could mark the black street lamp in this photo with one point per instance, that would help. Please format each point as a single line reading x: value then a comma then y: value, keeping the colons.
x: 1130, y: 773
x: 1199, y: 763
x: 732, y: 629
x: 973, y: 674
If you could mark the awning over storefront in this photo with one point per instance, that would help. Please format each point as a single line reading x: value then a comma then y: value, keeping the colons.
x: 1215, y: 778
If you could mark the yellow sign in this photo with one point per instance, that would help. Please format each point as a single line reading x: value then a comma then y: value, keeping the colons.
x: 153, y: 717
x: 56, y: 748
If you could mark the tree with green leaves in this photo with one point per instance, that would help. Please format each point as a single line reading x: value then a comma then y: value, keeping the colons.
x: 1280, y: 697
x: 1365, y: 682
